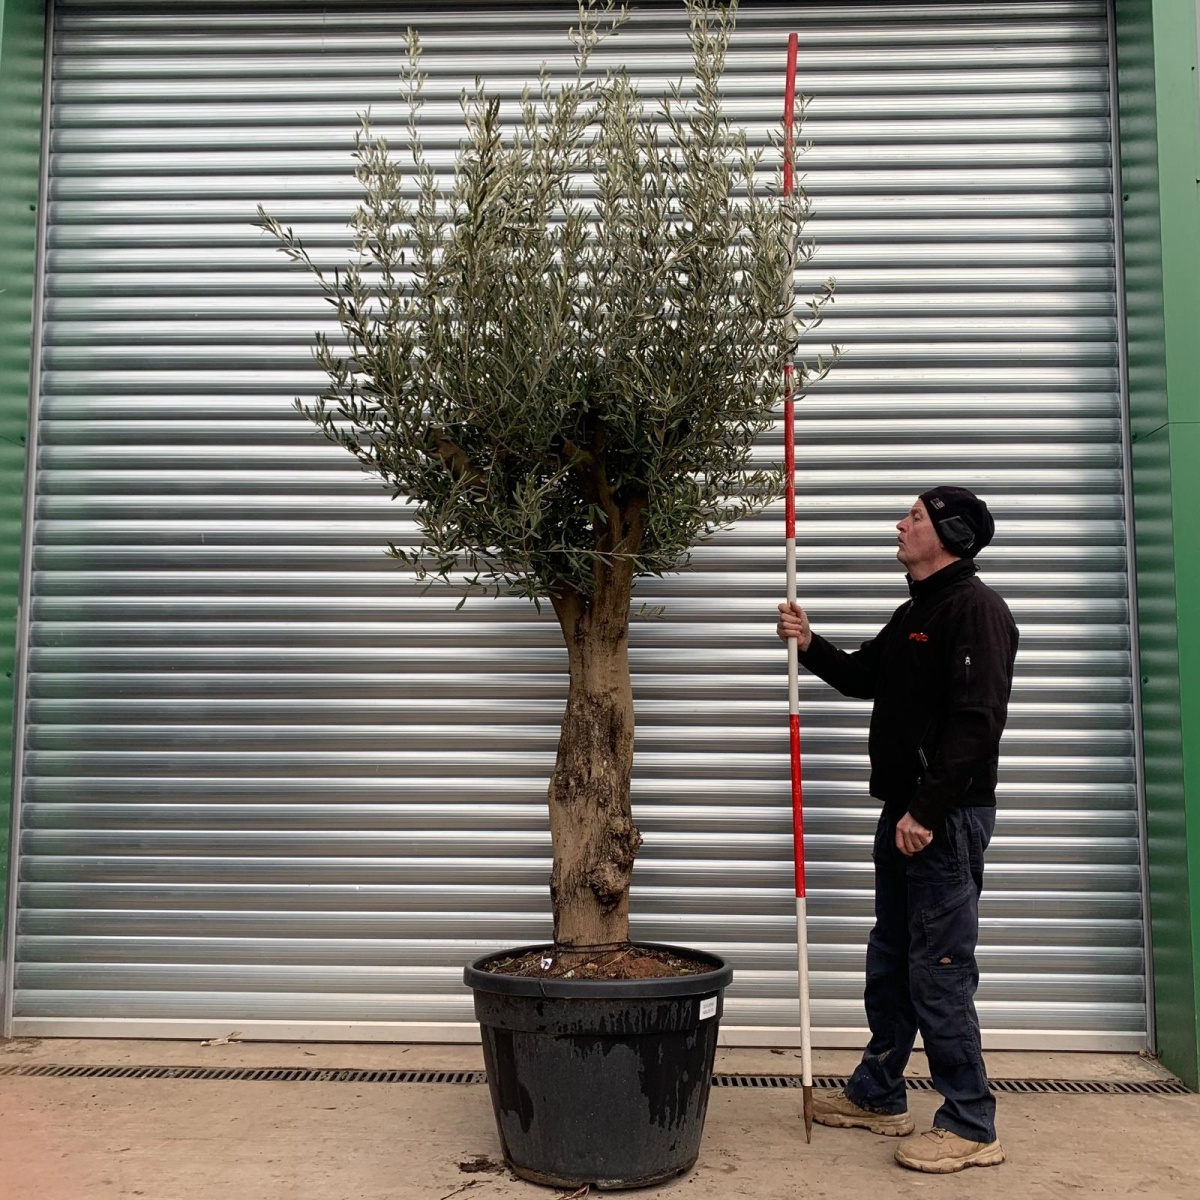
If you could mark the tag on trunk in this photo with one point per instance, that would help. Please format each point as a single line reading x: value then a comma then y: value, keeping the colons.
x: 547, y: 962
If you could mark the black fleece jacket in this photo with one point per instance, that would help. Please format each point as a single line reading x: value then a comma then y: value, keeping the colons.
x: 940, y: 673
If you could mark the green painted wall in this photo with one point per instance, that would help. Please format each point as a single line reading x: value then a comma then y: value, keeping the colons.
x: 22, y: 38
x: 1160, y: 137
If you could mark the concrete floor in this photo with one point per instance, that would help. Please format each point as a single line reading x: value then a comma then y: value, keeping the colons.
x: 82, y: 1139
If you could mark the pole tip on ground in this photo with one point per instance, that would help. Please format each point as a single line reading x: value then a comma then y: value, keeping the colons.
x: 808, y: 1114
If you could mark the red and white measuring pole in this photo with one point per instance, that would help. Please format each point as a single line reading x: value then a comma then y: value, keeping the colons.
x: 789, y: 459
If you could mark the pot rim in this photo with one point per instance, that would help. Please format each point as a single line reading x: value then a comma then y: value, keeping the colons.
x: 715, y: 980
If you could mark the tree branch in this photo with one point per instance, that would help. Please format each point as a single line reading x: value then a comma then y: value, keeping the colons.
x: 455, y: 457
x: 576, y: 456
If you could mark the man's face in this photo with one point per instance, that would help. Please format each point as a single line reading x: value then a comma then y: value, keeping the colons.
x: 918, y: 540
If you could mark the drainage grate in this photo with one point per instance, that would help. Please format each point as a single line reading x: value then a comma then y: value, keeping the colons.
x: 1062, y: 1087
x: 247, y: 1074
x: 1031, y: 1087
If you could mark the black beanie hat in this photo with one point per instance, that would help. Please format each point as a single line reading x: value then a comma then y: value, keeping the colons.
x: 962, y: 521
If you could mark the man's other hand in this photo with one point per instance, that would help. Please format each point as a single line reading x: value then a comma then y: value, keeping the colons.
x: 793, y: 623
x: 911, y: 836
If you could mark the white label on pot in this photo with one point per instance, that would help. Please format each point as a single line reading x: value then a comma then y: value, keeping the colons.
x: 708, y: 1008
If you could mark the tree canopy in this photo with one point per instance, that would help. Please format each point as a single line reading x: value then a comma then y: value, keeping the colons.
x: 579, y: 334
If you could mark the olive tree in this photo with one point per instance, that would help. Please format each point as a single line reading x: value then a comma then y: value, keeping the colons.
x: 562, y: 357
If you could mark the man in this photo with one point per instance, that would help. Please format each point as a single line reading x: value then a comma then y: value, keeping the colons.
x: 940, y: 674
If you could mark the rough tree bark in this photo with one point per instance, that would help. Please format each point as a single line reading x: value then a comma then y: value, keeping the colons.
x: 591, y: 821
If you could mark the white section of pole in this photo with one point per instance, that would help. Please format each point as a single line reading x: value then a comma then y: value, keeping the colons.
x: 805, y: 1010
x: 806, y: 1077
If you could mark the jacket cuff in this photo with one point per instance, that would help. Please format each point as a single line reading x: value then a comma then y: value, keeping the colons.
x: 927, y: 811
x: 816, y: 648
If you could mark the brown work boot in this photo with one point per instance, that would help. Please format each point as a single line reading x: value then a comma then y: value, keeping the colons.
x: 838, y: 1110
x: 941, y: 1152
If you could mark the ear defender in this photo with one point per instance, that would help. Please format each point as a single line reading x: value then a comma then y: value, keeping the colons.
x: 964, y: 525
x: 956, y: 535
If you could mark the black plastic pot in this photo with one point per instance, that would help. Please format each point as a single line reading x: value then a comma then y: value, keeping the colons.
x: 602, y: 1082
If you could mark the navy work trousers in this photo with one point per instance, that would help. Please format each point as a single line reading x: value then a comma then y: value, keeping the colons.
x: 922, y: 975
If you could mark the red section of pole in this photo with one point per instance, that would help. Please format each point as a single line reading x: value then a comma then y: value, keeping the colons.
x: 797, y: 807
x: 789, y: 112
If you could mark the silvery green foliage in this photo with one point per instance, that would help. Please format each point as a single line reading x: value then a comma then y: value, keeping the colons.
x: 591, y: 318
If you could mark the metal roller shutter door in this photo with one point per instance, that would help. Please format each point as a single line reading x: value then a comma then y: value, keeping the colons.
x: 271, y: 785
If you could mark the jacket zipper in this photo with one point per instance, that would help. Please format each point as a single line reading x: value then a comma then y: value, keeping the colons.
x: 967, y: 664
x: 921, y: 755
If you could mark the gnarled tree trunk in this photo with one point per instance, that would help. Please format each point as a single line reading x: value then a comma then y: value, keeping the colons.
x: 591, y: 823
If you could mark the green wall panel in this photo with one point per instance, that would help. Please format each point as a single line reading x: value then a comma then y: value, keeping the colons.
x: 22, y: 38
x: 1160, y: 165
x: 1185, y: 451
x: 1167, y: 824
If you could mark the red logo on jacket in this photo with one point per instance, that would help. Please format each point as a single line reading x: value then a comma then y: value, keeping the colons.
x: 918, y: 637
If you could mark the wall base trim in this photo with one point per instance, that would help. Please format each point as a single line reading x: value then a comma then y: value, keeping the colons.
x: 462, y: 1033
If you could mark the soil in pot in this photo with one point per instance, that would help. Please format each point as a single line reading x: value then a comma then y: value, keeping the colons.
x: 630, y: 962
